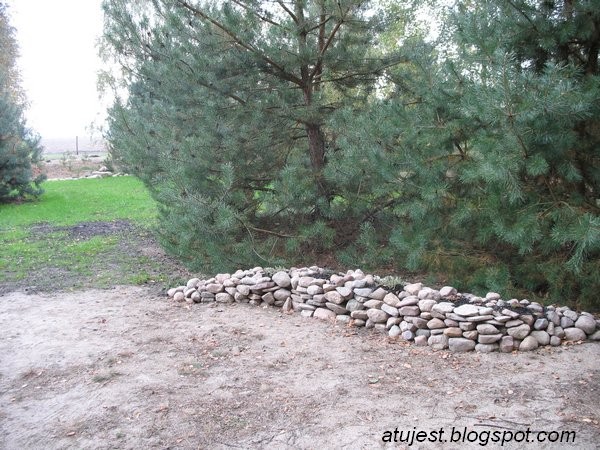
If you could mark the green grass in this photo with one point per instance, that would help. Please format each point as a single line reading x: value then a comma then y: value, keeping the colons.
x: 69, y: 202
x: 39, y: 246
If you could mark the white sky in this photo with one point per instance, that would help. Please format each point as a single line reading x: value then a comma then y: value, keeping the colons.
x: 59, y: 64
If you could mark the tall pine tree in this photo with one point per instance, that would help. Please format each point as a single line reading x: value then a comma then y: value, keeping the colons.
x: 227, y: 117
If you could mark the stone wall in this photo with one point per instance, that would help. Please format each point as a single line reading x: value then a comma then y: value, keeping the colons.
x: 442, y: 319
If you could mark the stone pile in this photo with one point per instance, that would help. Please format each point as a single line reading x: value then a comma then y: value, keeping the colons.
x: 442, y: 319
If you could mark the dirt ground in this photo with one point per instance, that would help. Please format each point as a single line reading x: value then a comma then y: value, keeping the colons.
x: 126, y: 368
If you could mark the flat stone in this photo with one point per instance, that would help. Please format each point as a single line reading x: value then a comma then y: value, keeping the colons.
x: 262, y: 286
x: 459, y: 344
x: 411, y: 300
x: 421, y: 332
x: 426, y: 305
x: 438, y: 342
x: 586, y: 324
x: 453, y: 332
x: 450, y: 322
x: 486, y: 348
x: 480, y: 318
x: 489, y: 338
x: 378, y: 294
x: 377, y: 315
x: 513, y: 323
x: 510, y: 313
x: 337, y: 309
x: 314, y: 289
x: 506, y: 344
x: 486, y: 328
x: 324, y: 314
x: 473, y: 334
x: 409, y: 311
x: 419, y: 322
x: 519, y: 332
x: 390, y: 310
x: 334, y: 297
x: 574, y: 334
x: 306, y: 313
x: 363, y: 292
x: 443, y: 307
x: 214, y: 288
x: 345, y: 292
x: 467, y: 326
x: 467, y: 310
x: 528, y: 344
x: 305, y: 282
x: 373, y: 304
x: 223, y: 297
x: 455, y: 317
x: 359, y: 314
x: 436, y: 324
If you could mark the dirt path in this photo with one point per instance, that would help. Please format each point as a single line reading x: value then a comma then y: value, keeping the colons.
x: 126, y: 369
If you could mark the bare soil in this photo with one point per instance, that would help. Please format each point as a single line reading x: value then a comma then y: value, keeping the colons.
x: 126, y: 368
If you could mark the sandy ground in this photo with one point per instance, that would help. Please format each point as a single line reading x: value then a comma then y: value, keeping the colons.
x: 127, y: 369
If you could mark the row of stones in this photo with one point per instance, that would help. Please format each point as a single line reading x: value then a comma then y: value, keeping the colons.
x: 442, y: 319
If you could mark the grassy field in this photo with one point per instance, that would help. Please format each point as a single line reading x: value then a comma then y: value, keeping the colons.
x: 82, y: 233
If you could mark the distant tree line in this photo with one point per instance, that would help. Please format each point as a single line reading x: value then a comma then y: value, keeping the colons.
x: 346, y: 133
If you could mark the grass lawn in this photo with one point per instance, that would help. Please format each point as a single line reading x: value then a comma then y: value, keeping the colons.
x: 81, y: 233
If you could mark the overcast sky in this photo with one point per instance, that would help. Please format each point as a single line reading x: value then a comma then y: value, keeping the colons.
x: 59, y: 63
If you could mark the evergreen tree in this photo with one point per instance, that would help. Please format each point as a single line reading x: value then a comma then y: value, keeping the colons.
x: 19, y: 148
x: 490, y: 147
x: 227, y: 117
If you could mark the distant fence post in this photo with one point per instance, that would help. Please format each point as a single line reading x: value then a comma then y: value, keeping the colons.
x: 77, y: 145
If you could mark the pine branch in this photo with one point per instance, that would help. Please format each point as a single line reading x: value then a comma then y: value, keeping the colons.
x: 280, y: 70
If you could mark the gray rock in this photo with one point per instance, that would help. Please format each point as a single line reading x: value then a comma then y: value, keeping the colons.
x: 571, y: 314
x: 193, y: 283
x: 455, y: 317
x: 542, y: 337
x: 467, y: 310
x: 443, y: 307
x: 447, y: 291
x: 354, y: 305
x: 409, y: 311
x: 337, y: 309
x: 314, y: 289
x: 559, y: 332
x: 408, y: 335
x: 358, y: 322
x: 404, y: 326
x: 528, y: 344
x: 453, y: 332
x: 421, y: 332
x: 334, y: 297
x: 267, y: 298
x: 373, y: 304
x: 179, y: 296
x: 223, y: 297
x: 555, y: 341
x: 489, y: 338
x: 414, y: 288
x: 363, y: 292
x: 486, y: 328
x: 595, y: 336
x: 536, y: 307
x: 480, y: 318
x: 574, y: 334
x: 566, y: 322
x: 485, y: 311
x: 510, y: 313
x: 343, y: 319
x: 306, y: 313
x: 450, y: 322
x: 282, y: 294
x: 486, y: 348
x: 540, y: 324
x: 359, y: 314
x: 345, y: 292
x: 324, y: 314
x: 513, y: 323
x: 473, y: 334
x: 506, y: 344
x: 426, y: 305
x: 519, y: 332
x: 390, y: 310
x: 243, y: 289
x: 391, y: 299
x: 553, y: 317
x: 438, y: 342
x: 458, y: 344
x: 467, y: 326
x: 196, y: 297
x: 378, y: 294
x: 586, y: 323
x: 435, y: 323
x: 394, y: 331
x: 411, y: 300
x: 527, y: 318
x: 492, y: 296
x: 214, y: 288
x: 392, y: 321
x: 377, y: 315
x: 421, y: 340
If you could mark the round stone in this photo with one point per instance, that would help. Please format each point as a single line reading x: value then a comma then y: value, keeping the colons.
x: 586, y: 324
x: 574, y: 334
x: 457, y: 344
x: 528, y: 344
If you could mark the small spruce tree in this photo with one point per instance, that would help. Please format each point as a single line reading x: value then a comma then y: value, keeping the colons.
x: 19, y: 148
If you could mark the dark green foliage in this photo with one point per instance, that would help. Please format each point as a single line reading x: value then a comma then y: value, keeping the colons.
x: 476, y: 157
x: 493, y: 153
x: 19, y: 148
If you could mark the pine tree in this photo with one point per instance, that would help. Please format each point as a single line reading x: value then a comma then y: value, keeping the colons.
x: 227, y: 117
x: 490, y: 146
x: 19, y: 148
